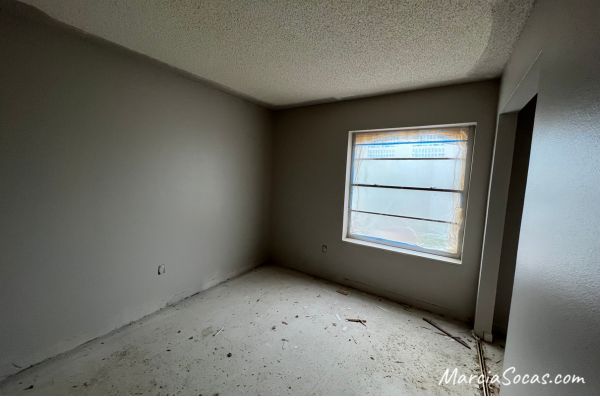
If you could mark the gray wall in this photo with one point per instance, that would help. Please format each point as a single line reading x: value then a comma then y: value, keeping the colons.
x: 554, y: 323
x: 109, y: 166
x: 310, y: 146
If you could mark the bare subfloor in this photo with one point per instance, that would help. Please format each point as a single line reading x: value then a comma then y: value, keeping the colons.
x: 271, y: 331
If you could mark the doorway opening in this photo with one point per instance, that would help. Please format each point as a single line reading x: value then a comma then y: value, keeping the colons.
x: 514, y: 212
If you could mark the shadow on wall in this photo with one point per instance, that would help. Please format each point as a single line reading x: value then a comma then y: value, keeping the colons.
x: 514, y: 212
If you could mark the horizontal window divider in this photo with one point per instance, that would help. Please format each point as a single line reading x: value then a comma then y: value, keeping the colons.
x: 404, y: 216
x: 407, y: 188
x: 409, y: 158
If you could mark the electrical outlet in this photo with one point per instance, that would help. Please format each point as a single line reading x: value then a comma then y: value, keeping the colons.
x: 162, y: 269
x: 323, y: 248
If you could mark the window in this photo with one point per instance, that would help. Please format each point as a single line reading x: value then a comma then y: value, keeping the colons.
x: 407, y: 188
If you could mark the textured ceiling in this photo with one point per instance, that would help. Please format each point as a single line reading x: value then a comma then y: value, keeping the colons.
x: 283, y: 52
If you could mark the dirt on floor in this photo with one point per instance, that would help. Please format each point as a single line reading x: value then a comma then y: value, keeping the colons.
x: 271, y: 331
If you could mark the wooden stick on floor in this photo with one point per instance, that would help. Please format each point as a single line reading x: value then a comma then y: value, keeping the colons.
x: 481, y: 357
x: 459, y: 340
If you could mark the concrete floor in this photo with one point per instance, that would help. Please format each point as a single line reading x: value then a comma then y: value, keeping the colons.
x: 283, y: 333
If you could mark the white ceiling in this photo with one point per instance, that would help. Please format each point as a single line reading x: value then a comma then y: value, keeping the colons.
x: 284, y: 52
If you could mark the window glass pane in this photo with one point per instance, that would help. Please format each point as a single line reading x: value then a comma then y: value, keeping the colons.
x: 439, y: 174
x: 434, y: 236
x: 444, y: 206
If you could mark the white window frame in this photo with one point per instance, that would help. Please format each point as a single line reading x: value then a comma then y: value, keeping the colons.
x: 410, y: 250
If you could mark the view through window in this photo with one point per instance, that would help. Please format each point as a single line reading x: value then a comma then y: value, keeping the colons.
x: 407, y: 188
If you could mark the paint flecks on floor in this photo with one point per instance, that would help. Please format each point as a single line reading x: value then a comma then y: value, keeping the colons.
x: 223, y: 341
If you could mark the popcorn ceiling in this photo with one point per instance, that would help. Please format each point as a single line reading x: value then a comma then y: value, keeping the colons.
x: 285, y: 52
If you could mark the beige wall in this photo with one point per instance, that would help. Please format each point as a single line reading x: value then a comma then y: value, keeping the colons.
x: 310, y: 146
x: 109, y: 166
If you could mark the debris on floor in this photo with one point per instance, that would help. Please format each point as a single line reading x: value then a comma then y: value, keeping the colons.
x: 219, y: 331
x: 483, y: 368
x: 135, y: 359
x: 342, y: 291
x: 459, y: 340
x: 360, y: 321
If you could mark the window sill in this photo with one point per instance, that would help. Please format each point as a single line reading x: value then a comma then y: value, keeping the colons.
x: 393, y: 249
